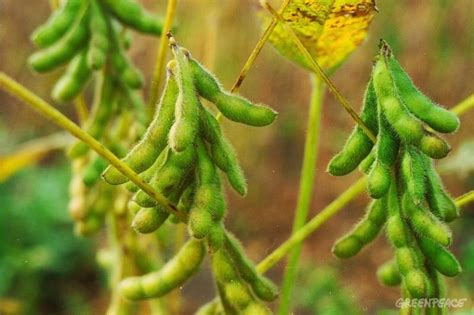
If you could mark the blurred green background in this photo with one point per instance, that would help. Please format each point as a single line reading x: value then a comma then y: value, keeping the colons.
x: 45, y: 269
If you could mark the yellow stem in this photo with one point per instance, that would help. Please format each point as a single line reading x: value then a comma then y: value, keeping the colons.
x: 319, y: 71
x: 464, y: 105
x: 25, y: 95
x: 465, y: 199
x: 161, y: 56
x: 256, y: 51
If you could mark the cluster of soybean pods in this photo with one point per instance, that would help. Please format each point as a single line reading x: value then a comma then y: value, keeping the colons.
x: 408, y: 194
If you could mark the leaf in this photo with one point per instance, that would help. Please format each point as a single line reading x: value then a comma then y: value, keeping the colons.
x: 329, y: 29
x: 31, y: 152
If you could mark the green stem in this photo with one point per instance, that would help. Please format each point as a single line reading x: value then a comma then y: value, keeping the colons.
x: 464, y: 105
x: 308, y: 172
x: 323, y: 216
x: 22, y: 93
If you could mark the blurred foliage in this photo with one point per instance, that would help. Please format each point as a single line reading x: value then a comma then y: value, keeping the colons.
x: 40, y: 256
x: 320, y: 291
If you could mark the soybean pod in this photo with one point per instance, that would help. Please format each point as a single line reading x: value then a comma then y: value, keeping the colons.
x: 358, y: 145
x: 261, y: 286
x: 441, y: 258
x: 72, y: 82
x: 439, y: 200
x: 433, y: 145
x: 363, y: 232
x: 419, y: 104
x: 222, y: 152
x: 388, y: 274
x: 413, y: 278
x: 185, y: 128
x: 413, y: 174
x: 128, y: 74
x: 234, y: 107
x: 408, y: 127
x: 57, y: 25
x: 144, y: 154
x: 173, y: 274
x: 99, y: 42
x: 209, y: 205
x: 64, y: 49
x: 386, y: 152
x: 132, y: 14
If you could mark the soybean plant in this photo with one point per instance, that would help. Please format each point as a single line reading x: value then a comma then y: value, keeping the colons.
x: 408, y: 194
x: 180, y: 156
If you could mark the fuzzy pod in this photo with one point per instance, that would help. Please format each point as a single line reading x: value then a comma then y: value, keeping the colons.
x: 416, y: 283
x: 102, y: 110
x: 428, y: 225
x: 256, y: 308
x: 57, y: 25
x: 234, y: 107
x: 148, y: 220
x: 363, y: 232
x: 366, y: 165
x: 133, y: 15
x: 148, y: 174
x: 408, y: 127
x: 222, y: 152
x: 99, y: 41
x: 441, y: 204
x: 440, y: 257
x: 437, y: 117
x: 187, y: 197
x: 127, y: 73
x: 206, y: 83
x: 397, y: 231
x: 358, y: 145
x: 186, y: 125
x: 434, y: 146
x: 379, y: 180
x: 413, y: 174
x: 237, y: 294
x: 388, y: 274
x: 261, y: 286
x: 216, y: 237
x: 170, y: 177
x: 143, y: 155
x: 91, y: 174
x: 72, y: 82
x: 173, y: 274
x: 64, y: 49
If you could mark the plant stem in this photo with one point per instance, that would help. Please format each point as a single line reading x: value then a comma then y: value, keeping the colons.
x: 465, y: 199
x: 464, y: 106
x: 161, y: 56
x: 319, y: 71
x: 323, y: 216
x: 308, y: 172
x: 25, y: 95
x: 256, y: 51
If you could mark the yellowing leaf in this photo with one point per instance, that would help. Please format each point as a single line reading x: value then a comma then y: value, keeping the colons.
x: 329, y: 29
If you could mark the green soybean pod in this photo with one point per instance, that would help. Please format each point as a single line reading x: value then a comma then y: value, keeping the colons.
x: 99, y: 42
x: 261, y: 286
x: 148, y: 174
x: 173, y: 274
x: 237, y: 294
x: 416, y: 282
x: 132, y: 14
x: 413, y: 174
x: 388, y: 274
x: 144, y: 154
x: 438, y: 199
x: 358, y: 145
x: 206, y: 83
x: 91, y: 174
x: 434, y: 146
x: 420, y: 105
x: 170, y: 177
x: 148, y: 220
x: 57, y: 25
x: 401, y: 120
x: 102, y: 110
x: 222, y: 152
x: 428, y: 225
x: 73, y: 80
x: 186, y: 125
x: 256, y: 308
x: 126, y: 71
x: 386, y: 152
x: 366, y: 165
x: 63, y: 50
x: 397, y: 231
x: 216, y: 237
x: 441, y: 258
x: 363, y: 232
